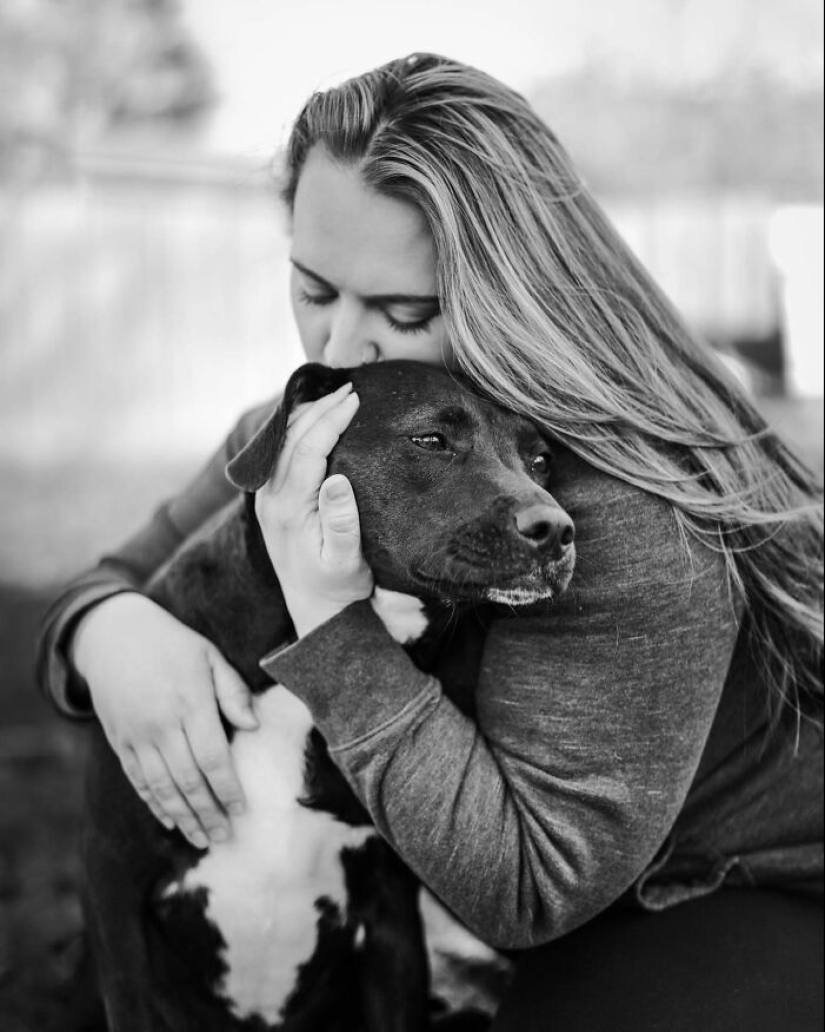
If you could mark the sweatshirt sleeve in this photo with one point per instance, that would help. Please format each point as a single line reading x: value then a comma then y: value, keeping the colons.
x: 132, y: 565
x: 591, y: 717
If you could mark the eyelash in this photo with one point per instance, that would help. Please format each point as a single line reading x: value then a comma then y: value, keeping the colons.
x: 399, y: 327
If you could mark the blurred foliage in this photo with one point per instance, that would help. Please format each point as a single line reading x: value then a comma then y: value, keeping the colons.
x: 70, y: 69
x: 744, y: 130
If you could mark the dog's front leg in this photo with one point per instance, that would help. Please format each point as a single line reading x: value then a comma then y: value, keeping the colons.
x: 389, y: 939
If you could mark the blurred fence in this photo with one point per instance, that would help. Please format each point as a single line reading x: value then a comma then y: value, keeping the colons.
x: 144, y: 305
x: 141, y: 308
x: 711, y: 256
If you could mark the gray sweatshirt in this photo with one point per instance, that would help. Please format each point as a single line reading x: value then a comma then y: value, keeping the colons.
x: 619, y: 751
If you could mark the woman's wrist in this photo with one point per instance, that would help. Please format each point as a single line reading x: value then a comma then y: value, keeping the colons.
x: 78, y: 649
x: 308, y: 616
x: 81, y: 644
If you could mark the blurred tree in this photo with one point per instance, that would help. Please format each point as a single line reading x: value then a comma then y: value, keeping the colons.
x: 744, y: 129
x: 71, y: 69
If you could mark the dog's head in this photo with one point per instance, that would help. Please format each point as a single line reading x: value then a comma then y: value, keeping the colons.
x: 452, y: 491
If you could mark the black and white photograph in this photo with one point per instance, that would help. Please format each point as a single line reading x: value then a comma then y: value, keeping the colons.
x: 411, y: 515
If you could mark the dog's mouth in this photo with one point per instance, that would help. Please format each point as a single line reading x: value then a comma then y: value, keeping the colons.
x: 463, y: 580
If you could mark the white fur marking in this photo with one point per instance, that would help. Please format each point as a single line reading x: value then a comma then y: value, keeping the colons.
x: 402, y: 615
x: 263, y: 882
x: 459, y: 960
x: 447, y: 936
x: 518, y: 596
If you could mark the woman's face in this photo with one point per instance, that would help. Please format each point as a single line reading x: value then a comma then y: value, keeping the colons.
x: 363, y: 283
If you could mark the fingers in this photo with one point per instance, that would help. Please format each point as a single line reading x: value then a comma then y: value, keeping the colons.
x: 316, y: 554
x: 191, y: 784
x: 134, y: 772
x: 309, y: 462
x: 308, y: 413
x: 169, y: 790
x: 311, y: 437
x: 213, y: 761
x: 159, y: 709
x: 233, y: 695
x: 340, y: 526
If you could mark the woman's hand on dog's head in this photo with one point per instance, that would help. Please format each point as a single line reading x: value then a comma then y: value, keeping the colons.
x: 310, y: 522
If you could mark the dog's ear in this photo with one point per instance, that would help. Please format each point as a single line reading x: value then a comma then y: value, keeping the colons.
x: 255, y: 463
x: 313, y: 381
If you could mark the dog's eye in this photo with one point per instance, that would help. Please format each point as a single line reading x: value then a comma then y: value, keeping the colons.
x: 540, y: 466
x: 430, y: 442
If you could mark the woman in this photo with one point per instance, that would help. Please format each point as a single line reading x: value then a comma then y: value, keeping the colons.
x: 637, y: 806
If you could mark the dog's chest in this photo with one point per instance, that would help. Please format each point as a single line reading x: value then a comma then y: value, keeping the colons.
x: 404, y: 616
x: 264, y: 884
x: 265, y: 887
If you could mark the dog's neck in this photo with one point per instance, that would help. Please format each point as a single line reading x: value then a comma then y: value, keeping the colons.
x: 404, y: 616
x: 420, y: 625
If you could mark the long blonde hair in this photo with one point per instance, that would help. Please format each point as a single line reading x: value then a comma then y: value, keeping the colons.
x: 550, y: 313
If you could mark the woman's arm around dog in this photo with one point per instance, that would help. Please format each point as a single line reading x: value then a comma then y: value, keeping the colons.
x: 156, y: 686
x: 583, y: 773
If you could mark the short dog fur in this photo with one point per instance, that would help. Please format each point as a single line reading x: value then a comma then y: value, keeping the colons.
x: 305, y: 919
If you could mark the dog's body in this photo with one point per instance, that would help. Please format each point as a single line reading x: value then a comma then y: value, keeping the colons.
x: 305, y: 919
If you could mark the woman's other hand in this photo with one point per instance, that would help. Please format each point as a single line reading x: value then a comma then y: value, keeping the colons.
x: 310, y: 522
x: 157, y: 688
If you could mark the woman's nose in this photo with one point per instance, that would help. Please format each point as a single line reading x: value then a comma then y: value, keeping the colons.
x: 347, y: 342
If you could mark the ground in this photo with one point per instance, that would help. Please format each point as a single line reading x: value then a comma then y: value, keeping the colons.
x: 40, y: 788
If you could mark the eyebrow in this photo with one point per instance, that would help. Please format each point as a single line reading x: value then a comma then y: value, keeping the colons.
x: 456, y: 418
x: 374, y: 299
x: 452, y: 417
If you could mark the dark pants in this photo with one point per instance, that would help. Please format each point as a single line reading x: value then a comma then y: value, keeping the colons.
x: 735, y: 961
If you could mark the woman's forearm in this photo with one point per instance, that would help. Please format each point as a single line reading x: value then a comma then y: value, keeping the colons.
x: 591, y: 718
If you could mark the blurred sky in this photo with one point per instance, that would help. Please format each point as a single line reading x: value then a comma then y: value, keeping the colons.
x: 269, y: 55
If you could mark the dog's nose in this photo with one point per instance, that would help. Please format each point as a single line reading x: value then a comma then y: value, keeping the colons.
x: 547, y: 529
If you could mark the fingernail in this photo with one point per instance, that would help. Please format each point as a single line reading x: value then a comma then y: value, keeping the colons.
x: 199, y: 840
x: 219, y: 834
x: 168, y: 823
x: 337, y: 489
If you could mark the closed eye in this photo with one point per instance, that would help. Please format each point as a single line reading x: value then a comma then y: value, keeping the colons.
x: 409, y: 327
x: 400, y: 326
x: 315, y: 299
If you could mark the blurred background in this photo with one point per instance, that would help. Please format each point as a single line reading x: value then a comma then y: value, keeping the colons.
x: 143, y: 280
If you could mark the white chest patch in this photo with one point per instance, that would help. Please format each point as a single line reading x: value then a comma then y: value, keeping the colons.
x: 402, y: 615
x: 263, y: 882
x: 465, y: 971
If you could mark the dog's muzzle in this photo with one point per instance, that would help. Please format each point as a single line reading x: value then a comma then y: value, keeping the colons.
x: 516, y: 556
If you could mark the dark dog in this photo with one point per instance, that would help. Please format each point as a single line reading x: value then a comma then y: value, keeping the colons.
x: 305, y: 920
